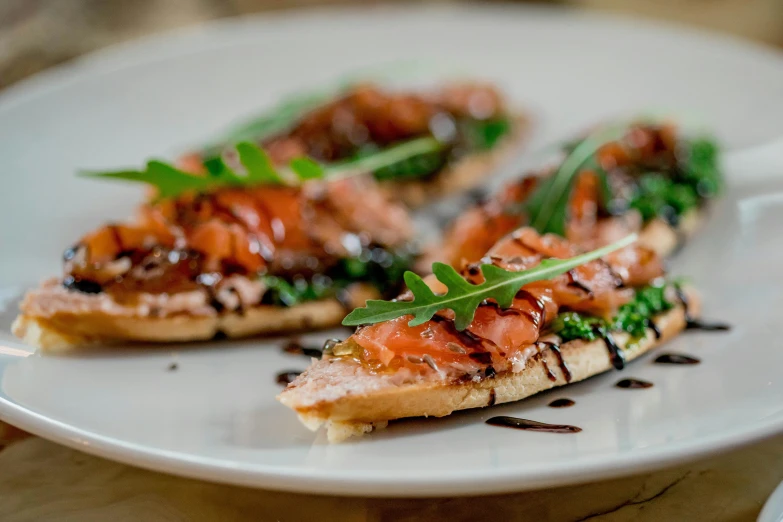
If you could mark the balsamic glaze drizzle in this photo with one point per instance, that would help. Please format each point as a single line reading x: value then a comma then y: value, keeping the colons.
x: 654, y: 327
x: 691, y: 323
x: 530, y: 425
x: 683, y: 299
x: 634, y: 384
x: 481, y: 357
x: 294, y: 347
x: 286, y: 377
x: 561, y: 362
x: 537, y: 303
x: 616, y: 355
x: 549, y: 375
x: 492, y: 397
x: 576, y: 283
x: 466, y: 337
x: 676, y: 358
x: 561, y: 403
x: 695, y: 324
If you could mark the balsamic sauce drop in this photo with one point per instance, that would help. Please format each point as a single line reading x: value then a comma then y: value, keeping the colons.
x: 294, y: 347
x: 529, y: 425
x: 675, y: 358
x: 654, y: 327
x: 561, y: 403
x: 286, y: 377
x: 634, y: 384
x: 695, y: 324
x: 84, y: 286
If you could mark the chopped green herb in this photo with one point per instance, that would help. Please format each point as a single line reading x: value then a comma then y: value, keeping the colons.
x: 377, y: 266
x: 571, y: 325
x: 668, y: 192
x: 632, y: 317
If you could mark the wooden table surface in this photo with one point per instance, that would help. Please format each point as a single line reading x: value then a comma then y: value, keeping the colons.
x: 43, y: 481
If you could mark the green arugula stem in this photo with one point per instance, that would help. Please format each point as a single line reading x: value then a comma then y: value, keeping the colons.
x: 555, y: 194
x: 386, y: 157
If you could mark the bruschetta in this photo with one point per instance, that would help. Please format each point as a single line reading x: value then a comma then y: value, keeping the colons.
x: 233, y: 261
x: 555, y: 331
x: 472, y: 122
x: 645, y: 178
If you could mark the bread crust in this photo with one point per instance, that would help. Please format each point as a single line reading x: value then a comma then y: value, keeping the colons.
x: 64, y: 332
x: 664, y: 239
x: 356, y: 412
x: 464, y: 175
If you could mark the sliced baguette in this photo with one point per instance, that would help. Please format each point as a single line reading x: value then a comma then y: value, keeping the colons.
x: 349, y: 400
x: 65, y: 330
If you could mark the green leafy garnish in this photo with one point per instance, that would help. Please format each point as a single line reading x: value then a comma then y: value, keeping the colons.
x: 259, y: 170
x: 259, y: 167
x: 464, y: 297
x: 669, y: 195
x: 547, y: 207
x: 633, y: 317
x: 572, y: 325
x: 376, y: 266
x: 666, y: 190
x: 168, y: 180
x: 276, y: 120
x: 483, y: 134
x: 171, y: 182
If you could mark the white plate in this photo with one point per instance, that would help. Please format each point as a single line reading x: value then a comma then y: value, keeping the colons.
x: 215, y: 416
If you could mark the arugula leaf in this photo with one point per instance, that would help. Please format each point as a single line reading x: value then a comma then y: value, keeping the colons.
x: 633, y: 317
x: 168, y: 180
x: 464, y: 297
x: 258, y: 165
x: 387, y: 157
x: 171, y: 182
x: 305, y: 169
x: 547, y: 207
x: 484, y: 134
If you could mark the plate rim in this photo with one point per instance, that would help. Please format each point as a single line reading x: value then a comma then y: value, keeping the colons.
x: 168, y: 46
x: 352, y: 483
x: 165, y: 42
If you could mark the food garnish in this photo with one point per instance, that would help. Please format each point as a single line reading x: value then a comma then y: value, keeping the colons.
x: 633, y: 317
x: 464, y: 297
x: 257, y: 169
x: 658, y: 191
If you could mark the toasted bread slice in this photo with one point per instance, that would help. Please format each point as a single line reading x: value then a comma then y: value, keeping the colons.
x: 664, y: 239
x: 463, y: 175
x: 349, y: 400
x: 80, y: 323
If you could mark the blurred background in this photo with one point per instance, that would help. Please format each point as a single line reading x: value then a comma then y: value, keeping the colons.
x: 36, y: 34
